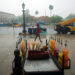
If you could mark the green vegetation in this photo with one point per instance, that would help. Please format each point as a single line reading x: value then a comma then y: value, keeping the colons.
x: 70, y: 16
x: 47, y: 19
x: 55, y: 19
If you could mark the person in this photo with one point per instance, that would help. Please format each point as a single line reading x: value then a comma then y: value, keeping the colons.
x: 17, y: 58
x: 17, y: 64
x: 37, y: 33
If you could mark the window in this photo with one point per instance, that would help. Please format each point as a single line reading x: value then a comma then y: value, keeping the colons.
x: 70, y: 24
x: 73, y: 23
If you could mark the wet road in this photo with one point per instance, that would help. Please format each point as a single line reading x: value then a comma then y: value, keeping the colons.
x: 8, y: 37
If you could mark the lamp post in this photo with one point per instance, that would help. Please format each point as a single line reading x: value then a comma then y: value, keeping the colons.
x: 23, y: 7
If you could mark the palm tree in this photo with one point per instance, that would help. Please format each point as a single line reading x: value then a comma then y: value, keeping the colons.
x: 36, y: 12
x: 50, y: 8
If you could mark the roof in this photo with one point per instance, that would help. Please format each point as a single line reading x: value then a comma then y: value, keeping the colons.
x: 6, y: 13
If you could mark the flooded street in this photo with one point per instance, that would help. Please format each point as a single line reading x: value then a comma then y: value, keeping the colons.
x: 8, y: 37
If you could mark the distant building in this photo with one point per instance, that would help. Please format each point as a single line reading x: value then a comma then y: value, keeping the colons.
x: 6, y: 18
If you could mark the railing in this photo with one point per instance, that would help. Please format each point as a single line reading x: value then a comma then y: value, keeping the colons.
x: 55, y: 59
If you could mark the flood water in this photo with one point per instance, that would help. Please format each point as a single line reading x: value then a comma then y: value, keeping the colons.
x: 8, y: 36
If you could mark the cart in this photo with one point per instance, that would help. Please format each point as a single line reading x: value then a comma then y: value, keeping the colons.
x: 49, y: 66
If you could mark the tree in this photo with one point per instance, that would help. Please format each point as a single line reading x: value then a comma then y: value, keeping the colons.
x: 27, y: 15
x: 50, y: 8
x: 16, y: 19
x: 70, y: 16
x: 55, y: 19
x: 20, y: 18
x: 36, y: 12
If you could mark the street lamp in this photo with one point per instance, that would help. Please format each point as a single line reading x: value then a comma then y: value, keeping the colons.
x: 23, y: 7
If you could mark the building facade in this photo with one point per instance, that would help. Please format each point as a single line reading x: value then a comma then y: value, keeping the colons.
x: 6, y: 18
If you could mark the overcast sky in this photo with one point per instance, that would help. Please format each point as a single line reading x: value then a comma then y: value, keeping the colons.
x: 61, y: 7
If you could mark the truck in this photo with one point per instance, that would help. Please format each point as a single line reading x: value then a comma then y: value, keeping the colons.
x: 65, y: 26
x: 17, y: 25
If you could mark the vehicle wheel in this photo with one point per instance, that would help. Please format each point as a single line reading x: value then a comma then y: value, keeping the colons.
x: 64, y: 32
x: 58, y: 32
x: 72, y: 32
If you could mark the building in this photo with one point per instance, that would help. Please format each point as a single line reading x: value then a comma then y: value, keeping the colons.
x: 6, y: 18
